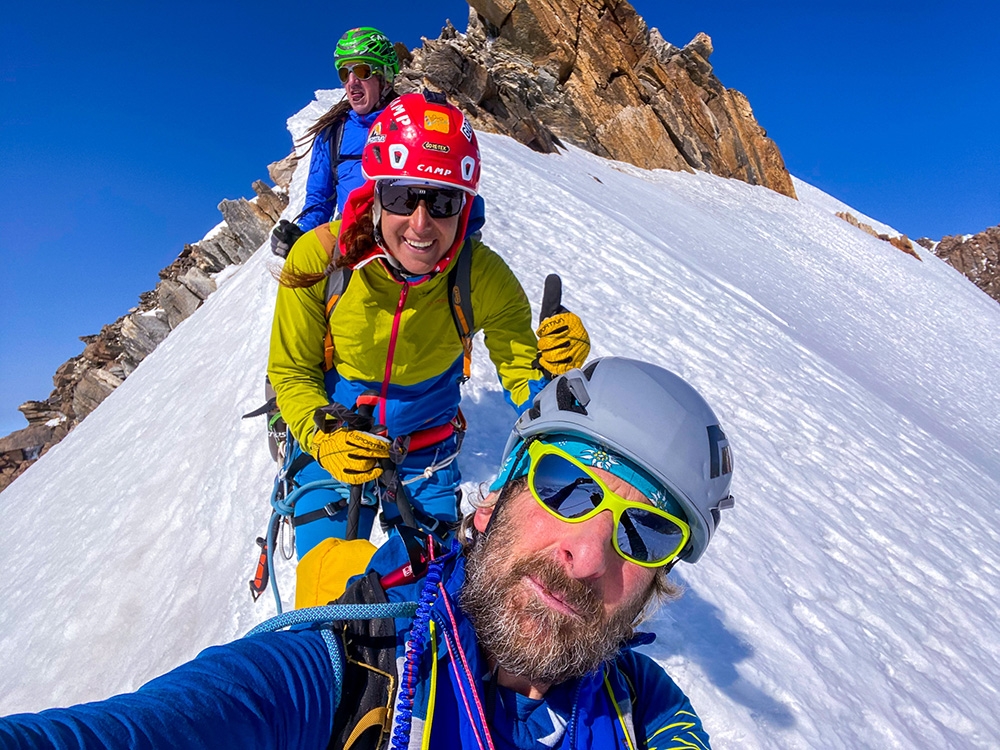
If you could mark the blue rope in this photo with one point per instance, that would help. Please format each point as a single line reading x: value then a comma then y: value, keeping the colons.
x: 418, y: 638
x: 284, y: 507
x: 328, y: 614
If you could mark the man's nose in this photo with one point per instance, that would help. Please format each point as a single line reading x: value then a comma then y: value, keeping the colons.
x: 586, y: 547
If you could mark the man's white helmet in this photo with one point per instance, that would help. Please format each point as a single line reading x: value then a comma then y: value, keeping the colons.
x: 650, y: 416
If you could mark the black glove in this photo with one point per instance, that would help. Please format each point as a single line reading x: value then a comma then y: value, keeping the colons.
x: 283, y: 237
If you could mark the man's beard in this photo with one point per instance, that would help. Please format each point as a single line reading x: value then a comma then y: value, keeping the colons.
x: 525, y: 636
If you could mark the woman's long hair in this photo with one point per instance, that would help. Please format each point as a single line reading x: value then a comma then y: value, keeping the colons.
x: 337, y: 112
x: 357, y: 239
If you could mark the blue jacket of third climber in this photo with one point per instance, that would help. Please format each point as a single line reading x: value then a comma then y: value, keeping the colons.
x: 319, y: 204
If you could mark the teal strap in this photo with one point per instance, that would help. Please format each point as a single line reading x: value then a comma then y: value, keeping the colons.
x: 326, y: 616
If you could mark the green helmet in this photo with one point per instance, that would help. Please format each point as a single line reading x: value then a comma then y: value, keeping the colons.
x: 369, y: 45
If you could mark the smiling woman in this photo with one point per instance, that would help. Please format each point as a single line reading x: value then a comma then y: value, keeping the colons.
x: 391, y: 342
x: 419, y: 222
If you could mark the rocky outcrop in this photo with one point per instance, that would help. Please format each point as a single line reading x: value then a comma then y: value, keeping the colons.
x: 22, y: 448
x: 591, y: 73
x: 110, y: 356
x: 281, y: 171
x: 977, y: 256
x: 900, y: 242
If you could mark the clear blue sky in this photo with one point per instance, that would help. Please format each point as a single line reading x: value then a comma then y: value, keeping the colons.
x: 122, y: 126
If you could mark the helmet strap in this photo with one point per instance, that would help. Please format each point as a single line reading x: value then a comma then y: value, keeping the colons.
x: 394, y: 265
x: 503, y: 491
x: 377, y: 218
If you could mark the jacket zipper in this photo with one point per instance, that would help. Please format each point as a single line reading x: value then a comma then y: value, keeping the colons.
x: 392, y: 350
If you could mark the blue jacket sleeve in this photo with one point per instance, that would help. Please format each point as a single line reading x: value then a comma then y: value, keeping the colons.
x: 663, y: 715
x: 320, y: 198
x: 269, y: 691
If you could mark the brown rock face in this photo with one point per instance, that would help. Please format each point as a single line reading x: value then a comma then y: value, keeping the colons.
x: 594, y: 75
x: 902, y: 242
x: 110, y: 356
x: 978, y: 257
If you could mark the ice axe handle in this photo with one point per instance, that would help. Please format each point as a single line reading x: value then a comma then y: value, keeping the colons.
x: 551, y: 297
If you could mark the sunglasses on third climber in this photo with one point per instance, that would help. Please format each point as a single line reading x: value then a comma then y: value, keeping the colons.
x: 362, y: 71
x: 404, y: 199
x: 572, y: 492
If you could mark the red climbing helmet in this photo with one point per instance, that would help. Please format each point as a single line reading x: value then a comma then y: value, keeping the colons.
x: 419, y: 137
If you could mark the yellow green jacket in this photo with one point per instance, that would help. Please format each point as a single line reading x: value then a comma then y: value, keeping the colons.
x: 419, y: 388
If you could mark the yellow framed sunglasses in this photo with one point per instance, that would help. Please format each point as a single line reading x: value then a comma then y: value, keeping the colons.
x: 572, y: 492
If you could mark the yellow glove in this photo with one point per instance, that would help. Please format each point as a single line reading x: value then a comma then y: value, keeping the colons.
x: 351, y: 456
x: 563, y: 343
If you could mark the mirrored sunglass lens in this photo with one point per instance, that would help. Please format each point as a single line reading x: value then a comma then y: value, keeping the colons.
x: 361, y: 71
x: 444, y: 203
x: 404, y: 200
x: 397, y: 200
x: 564, y: 487
x: 647, y: 536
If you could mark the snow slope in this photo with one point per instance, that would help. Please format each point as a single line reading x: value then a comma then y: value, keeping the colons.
x: 849, y: 600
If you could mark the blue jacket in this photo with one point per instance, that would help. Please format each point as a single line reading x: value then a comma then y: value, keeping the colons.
x: 275, y: 691
x: 319, y: 204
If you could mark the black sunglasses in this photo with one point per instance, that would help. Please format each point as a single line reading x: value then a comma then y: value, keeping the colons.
x: 402, y: 200
x: 362, y: 71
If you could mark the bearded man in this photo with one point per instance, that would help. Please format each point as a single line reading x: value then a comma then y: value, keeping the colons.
x: 524, y: 630
x: 524, y: 636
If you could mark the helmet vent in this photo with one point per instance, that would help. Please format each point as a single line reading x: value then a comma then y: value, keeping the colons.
x: 589, y: 369
x: 718, y: 451
x: 568, y: 392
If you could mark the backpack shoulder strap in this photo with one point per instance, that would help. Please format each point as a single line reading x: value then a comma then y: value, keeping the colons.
x: 336, y: 132
x: 460, y: 298
x: 363, y: 717
x: 336, y: 137
x: 336, y: 283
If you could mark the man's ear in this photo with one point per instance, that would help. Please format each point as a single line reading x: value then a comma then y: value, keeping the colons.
x: 484, y: 513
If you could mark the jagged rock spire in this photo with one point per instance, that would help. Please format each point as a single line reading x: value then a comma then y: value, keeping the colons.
x: 594, y: 75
